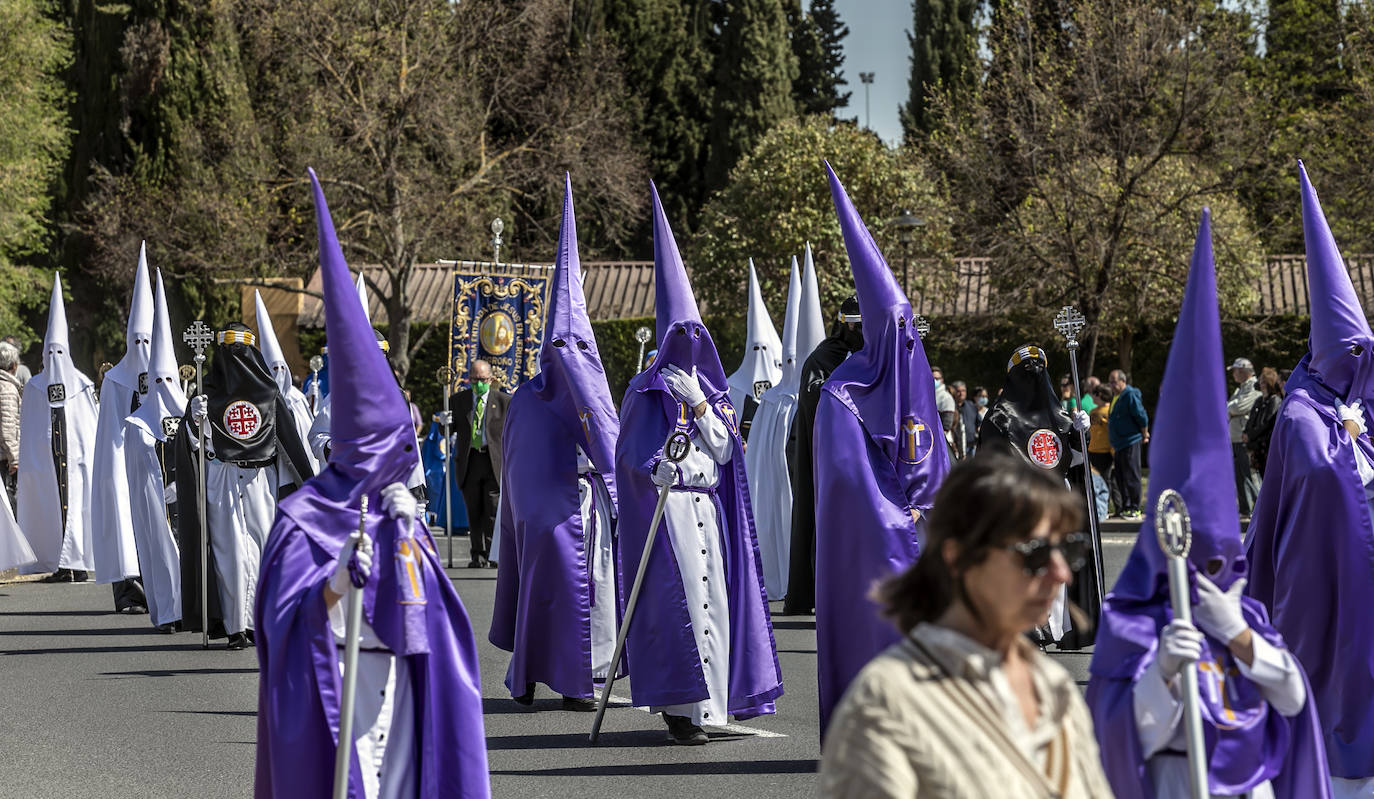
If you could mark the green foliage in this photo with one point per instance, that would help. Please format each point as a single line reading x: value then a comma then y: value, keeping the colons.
x: 818, y: 43
x: 1303, y: 42
x: 754, y: 71
x: 943, y: 58
x: 778, y: 199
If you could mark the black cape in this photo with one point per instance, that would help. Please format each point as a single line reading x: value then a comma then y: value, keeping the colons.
x: 1022, y: 421
x: 247, y: 435
x: 801, y: 574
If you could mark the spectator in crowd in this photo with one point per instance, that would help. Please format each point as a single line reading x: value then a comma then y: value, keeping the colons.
x: 980, y: 399
x: 11, y: 393
x: 1071, y: 403
x: 1128, y: 430
x: 964, y: 704
x: 22, y: 371
x: 1259, y: 425
x: 968, y: 417
x: 1238, y: 410
x: 944, y: 405
x: 479, y: 414
x: 1100, y: 448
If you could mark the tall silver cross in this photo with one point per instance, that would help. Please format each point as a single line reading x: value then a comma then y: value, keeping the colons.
x: 198, y: 336
x: 921, y: 325
x: 1069, y: 322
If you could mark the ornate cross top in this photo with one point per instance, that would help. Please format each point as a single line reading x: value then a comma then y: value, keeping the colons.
x: 316, y: 363
x: 1069, y: 322
x: 642, y: 334
x: 921, y: 325
x: 1173, y: 528
x: 445, y: 375
x: 198, y: 336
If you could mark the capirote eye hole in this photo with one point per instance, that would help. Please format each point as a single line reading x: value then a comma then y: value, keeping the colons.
x: 756, y: 346
x: 1357, y: 350
x: 582, y: 345
x: 1214, y: 566
x: 558, y: 342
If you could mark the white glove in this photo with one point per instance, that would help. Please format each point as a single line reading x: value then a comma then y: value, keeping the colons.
x: 1081, y: 420
x: 1179, y: 643
x: 444, y: 417
x: 1218, y: 613
x: 665, y: 474
x: 399, y: 503
x: 169, y: 493
x: 340, y: 581
x: 685, y: 387
x: 1352, y: 413
x: 200, y: 408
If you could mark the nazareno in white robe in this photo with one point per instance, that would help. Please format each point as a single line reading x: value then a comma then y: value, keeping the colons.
x: 153, y: 534
x: 112, y: 536
x: 57, y: 543
x: 14, y: 547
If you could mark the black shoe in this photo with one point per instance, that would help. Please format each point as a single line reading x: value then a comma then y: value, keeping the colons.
x: 578, y: 704
x: 237, y: 641
x: 59, y: 576
x: 79, y: 575
x: 682, y: 731
x: 478, y: 562
x: 134, y: 610
x: 527, y: 698
x: 251, y: 640
x: 169, y: 628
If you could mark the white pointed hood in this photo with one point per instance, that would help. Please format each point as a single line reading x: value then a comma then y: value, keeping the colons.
x: 761, y: 368
x: 58, y: 367
x: 810, y: 321
x: 138, y: 333
x: 165, y: 398
x: 271, y: 348
x: 790, y: 367
x: 362, y: 297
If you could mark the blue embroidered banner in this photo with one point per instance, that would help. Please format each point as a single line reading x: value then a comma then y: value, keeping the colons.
x: 500, y: 319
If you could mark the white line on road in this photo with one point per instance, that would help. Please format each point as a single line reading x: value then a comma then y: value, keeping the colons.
x: 737, y: 729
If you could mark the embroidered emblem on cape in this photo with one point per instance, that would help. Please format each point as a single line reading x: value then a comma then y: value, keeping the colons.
x: 170, y: 425
x: 727, y: 412
x: 57, y: 393
x: 1044, y: 448
x: 586, y: 418
x: 760, y: 386
x: 143, y: 382
x: 917, y: 441
x: 242, y: 420
x: 409, y: 574
x: 684, y: 419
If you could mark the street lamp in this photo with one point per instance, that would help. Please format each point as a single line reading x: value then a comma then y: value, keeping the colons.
x: 496, y: 227
x: 906, y: 225
x: 866, y: 78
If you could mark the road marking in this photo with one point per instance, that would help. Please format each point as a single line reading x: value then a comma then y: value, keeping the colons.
x: 736, y: 729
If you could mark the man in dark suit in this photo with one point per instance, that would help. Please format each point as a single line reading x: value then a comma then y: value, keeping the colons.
x: 479, y: 413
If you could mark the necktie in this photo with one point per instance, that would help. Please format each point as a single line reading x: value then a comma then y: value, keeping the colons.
x: 477, y: 415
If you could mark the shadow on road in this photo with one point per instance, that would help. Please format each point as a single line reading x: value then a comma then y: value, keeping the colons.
x: 92, y: 631
x: 175, y: 673
x: 794, y: 624
x: 731, y: 767
x: 249, y: 713
x: 106, y: 650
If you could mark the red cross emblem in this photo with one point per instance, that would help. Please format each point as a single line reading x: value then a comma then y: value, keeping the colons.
x: 1044, y: 449
x: 242, y: 420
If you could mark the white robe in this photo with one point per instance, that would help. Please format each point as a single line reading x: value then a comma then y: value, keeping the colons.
x: 1158, y: 708
x: 597, y: 543
x: 57, y: 543
x: 770, y: 485
x: 318, y: 437
x: 304, y: 419
x: 693, y: 525
x: 153, y: 535
x: 116, y: 556
x: 14, y: 547
x: 240, y: 504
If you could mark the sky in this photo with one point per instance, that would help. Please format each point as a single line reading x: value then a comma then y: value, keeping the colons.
x: 877, y: 43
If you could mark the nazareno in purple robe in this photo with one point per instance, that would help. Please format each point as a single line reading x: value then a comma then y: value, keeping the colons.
x: 408, y: 600
x: 879, y: 454
x: 1248, y: 742
x: 544, y: 593
x: 661, y: 651
x: 1310, y: 542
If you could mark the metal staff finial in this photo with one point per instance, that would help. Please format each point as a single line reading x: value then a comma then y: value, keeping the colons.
x: 921, y: 325
x: 1069, y: 322
x: 642, y: 335
x: 198, y: 336
x: 1174, y: 531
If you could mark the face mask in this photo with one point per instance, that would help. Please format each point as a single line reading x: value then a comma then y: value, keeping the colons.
x: 939, y: 383
x: 982, y: 402
x: 479, y: 387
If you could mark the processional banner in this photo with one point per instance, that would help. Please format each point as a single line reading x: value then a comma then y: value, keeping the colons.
x: 500, y: 319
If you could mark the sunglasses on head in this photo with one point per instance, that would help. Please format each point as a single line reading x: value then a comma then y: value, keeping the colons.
x: 1036, y: 553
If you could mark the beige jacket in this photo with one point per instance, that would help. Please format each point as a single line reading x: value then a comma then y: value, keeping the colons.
x: 11, y: 392
x: 932, y: 717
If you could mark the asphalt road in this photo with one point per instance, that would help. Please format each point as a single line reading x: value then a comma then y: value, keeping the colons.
x: 100, y: 705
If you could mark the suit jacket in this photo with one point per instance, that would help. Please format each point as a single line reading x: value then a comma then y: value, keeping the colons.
x: 462, y: 406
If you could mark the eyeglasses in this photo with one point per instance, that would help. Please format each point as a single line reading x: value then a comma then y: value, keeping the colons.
x: 1035, y: 553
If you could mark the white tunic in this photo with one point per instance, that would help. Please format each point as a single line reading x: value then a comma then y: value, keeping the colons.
x: 770, y: 485
x: 318, y: 437
x: 596, y: 543
x: 240, y: 504
x: 57, y: 543
x: 116, y: 557
x: 693, y: 525
x: 156, y: 542
x: 383, y: 714
x: 1363, y: 788
x: 1158, y: 710
x: 304, y: 419
x: 14, y: 547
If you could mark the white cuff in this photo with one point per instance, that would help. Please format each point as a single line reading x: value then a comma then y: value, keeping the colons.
x: 1158, y: 710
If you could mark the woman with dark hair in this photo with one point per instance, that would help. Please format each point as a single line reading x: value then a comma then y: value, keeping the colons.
x: 1259, y: 425
x: 964, y: 705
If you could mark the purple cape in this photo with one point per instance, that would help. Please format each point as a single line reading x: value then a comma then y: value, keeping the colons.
x: 879, y: 453
x: 543, y: 588
x: 1311, y: 555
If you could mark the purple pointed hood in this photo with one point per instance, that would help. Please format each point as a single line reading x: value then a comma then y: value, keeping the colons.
x: 1338, y: 320
x: 887, y: 383
x: 372, y: 440
x: 682, y: 336
x: 1190, y: 444
x: 570, y: 372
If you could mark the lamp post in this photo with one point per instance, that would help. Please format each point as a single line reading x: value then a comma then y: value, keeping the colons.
x: 906, y: 225
x: 497, y: 226
x: 866, y: 78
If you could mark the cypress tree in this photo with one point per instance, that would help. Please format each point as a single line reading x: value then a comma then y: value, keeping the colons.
x: 943, y: 57
x: 755, y: 68
x: 1303, y: 42
x: 818, y: 43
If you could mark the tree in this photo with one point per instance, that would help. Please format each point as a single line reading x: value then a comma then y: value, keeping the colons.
x: 818, y: 43
x: 1303, y: 43
x: 943, y: 58
x: 778, y: 199
x: 1104, y: 138
x: 33, y: 142
x: 754, y: 71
